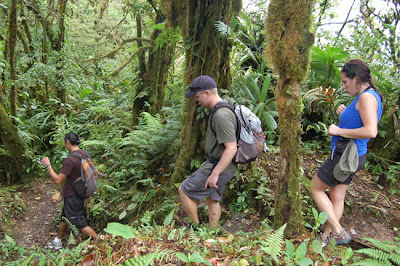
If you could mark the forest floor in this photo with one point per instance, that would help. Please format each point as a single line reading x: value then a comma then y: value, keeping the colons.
x: 369, y: 212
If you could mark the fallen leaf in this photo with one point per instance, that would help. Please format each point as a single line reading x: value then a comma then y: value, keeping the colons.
x: 89, y: 259
x: 136, y: 250
x: 38, y: 198
x: 227, y: 239
x: 209, y: 242
x: 56, y: 196
x: 214, y: 262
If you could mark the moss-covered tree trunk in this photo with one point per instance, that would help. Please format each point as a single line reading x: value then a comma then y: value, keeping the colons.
x: 289, y: 40
x: 207, y: 55
x: 13, y: 158
x: 61, y: 94
x: 160, y: 59
x: 11, y: 45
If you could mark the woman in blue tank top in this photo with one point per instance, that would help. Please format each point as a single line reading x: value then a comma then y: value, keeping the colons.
x: 358, y: 121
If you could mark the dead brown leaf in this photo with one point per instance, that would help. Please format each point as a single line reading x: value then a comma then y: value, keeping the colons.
x: 56, y: 196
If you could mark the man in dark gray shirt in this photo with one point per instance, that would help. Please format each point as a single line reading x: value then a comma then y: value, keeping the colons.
x: 209, y: 181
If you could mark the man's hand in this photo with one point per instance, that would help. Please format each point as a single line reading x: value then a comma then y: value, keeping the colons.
x: 45, y: 161
x: 212, y: 181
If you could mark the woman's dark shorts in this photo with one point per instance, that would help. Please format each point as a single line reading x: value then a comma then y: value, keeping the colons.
x: 325, y: 171
x: 73, y: 211
x: 194, y: 188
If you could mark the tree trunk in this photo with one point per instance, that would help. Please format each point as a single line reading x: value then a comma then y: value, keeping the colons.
x: 207, y: 55
x: 15, y: 159
x: 60, y: 41
x: 12, y: 43
x: 139, y: 101
x: 158, y: 64
x: 289, y: 42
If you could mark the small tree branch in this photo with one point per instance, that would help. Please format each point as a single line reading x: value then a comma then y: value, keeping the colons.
x: 138, y: 51
x: 345, y: 22
x: 113, y: 52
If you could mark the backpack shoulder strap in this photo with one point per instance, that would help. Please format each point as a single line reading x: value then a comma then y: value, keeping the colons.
x: 81, y: 154
x: 209, y: 120
x: 214, y: 110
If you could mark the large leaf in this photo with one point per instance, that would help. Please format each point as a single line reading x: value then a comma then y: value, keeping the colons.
x: 120, y: 230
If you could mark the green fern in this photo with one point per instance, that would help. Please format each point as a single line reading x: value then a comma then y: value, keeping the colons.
x: 170, y: 217
x: 192, y: 236
x: 73, y: 227
x: 386, y: 253
x: 149, y: 259
x: 147, y: 217
x: 370, y: 262
x: 385, y: 246
x: 273, y: 245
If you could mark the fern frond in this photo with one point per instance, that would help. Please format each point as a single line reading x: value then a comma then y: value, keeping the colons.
x: 370, y: 262
x: 148, y: 259
x: 170, y: 217
x: 147, y: 217
x: 375, y: 254
x: 71, y: 226
x: 388, y: 246
x: 223, y: 30
x: 395, y: 258
x: 192, y: 236
x: 274, y: 242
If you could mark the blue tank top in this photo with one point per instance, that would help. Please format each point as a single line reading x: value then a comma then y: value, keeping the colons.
x: 350, y: 119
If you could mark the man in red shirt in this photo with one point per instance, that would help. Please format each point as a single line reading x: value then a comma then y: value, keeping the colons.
x: 73, y: 204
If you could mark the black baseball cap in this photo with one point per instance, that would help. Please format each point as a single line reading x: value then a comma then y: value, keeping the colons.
x: 201, y: 83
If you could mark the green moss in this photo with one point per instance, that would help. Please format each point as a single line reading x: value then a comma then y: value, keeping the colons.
x: 289, y: 38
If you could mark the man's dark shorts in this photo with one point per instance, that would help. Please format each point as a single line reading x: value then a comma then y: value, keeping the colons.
x: 194, y: 188
x: 325, y: 171
x: 73, y: 211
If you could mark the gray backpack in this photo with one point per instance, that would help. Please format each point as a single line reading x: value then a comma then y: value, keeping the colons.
x: 250, y: 136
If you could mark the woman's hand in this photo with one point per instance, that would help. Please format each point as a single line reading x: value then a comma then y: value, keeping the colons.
x: 340, y: 109
x: 333, y: 130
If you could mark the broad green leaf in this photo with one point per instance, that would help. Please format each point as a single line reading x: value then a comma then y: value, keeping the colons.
x: 122, y: 215
x: 317, y: 246
x: 305, y: 261
x: 289, y: 249
x: 182, y: 257
x: 195, y: 257
x: 120, y: 230
x: 323, y: 217
x: 301, y: 251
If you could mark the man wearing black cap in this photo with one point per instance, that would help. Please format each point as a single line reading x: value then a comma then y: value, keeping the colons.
x: 209, y: 181
x: 73, y: 204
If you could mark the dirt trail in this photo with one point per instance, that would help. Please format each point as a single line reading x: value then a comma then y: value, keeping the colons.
x: 38, y: 221
x: 368, y: 211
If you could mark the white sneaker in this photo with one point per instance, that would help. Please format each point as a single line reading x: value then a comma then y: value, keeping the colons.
x: 56, y: 244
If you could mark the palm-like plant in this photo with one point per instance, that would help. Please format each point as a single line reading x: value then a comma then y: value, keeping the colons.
x: 324, y: 67
x: 252, y: 89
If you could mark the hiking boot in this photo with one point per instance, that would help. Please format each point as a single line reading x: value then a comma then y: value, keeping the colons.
x: 325, y: 241
x: 342, y: 238
x: 56, y: 244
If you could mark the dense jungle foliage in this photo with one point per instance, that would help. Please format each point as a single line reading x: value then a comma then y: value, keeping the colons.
x: 115, y: 73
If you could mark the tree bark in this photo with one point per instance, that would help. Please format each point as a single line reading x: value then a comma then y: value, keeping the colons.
x: 207, y: 55
x: 15, y: 160
x: 60, y: 41
x: 12, y: 43
x: 289, y: 44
